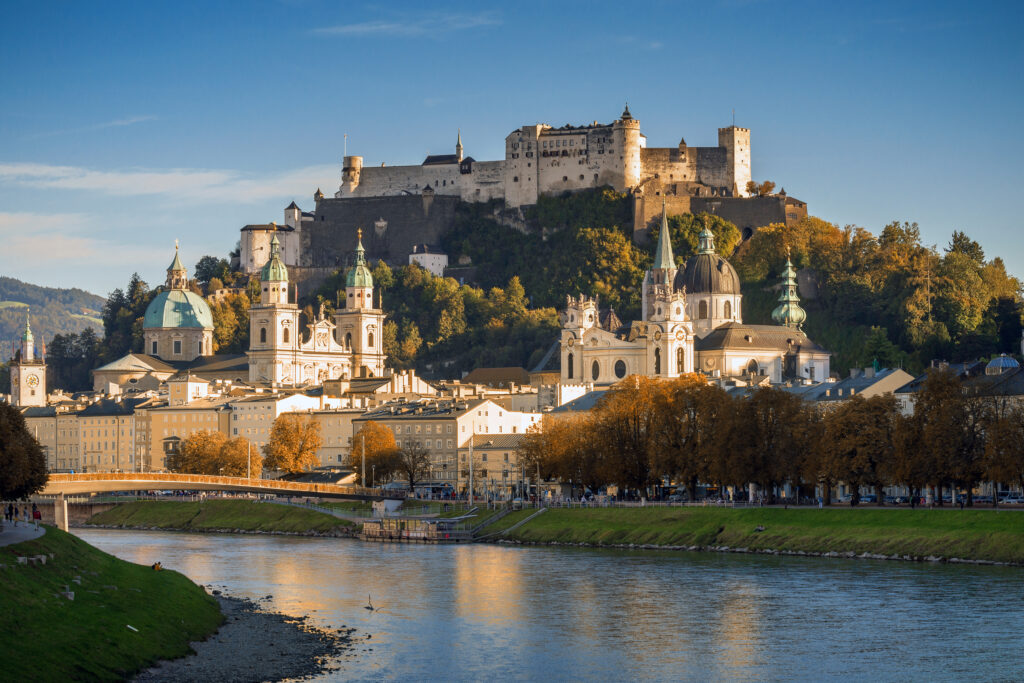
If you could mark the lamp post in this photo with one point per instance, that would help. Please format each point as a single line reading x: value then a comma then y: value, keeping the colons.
x: 373, y: 476
x: 363, y: 439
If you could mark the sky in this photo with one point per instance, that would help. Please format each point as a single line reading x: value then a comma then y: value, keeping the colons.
x: 127, y: 126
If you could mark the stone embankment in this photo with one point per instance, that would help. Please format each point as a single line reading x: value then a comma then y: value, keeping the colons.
x: 851, y: 555
x: 339, y: 532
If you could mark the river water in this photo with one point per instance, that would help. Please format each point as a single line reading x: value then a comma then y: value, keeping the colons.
x: 476, y: 611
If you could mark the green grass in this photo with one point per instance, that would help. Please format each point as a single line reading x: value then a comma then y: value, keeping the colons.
x: 11, y: 304
x: 49, y: 638
x: 507, y: 521
x: 967, y: 534
x: 208, y: 515
x: 348, y: 505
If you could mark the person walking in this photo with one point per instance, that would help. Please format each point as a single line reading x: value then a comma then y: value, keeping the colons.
x: 36, y: 515
x: 14, y: 514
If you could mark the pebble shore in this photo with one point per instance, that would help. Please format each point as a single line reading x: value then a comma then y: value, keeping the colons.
x: 256, y: 645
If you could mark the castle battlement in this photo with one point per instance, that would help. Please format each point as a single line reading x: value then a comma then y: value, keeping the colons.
x: 542, y: 160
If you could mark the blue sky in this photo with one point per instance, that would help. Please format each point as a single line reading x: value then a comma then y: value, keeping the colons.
x: 126, y: 126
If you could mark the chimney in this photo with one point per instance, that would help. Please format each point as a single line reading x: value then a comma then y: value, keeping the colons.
x: 853, y: 372
x: 869, y: 373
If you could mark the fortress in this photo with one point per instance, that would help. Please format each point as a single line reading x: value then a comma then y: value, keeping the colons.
x: 401, y: 206
x: 540, y: 159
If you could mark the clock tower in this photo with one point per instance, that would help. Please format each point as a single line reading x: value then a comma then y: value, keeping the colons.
x: 28, y: 374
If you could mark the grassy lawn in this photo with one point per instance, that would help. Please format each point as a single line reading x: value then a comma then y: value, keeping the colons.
x: 246, y: 515
x: 967, y: 534
x: 508, y: 520
x: 48, y: 638
x: 348, y: 505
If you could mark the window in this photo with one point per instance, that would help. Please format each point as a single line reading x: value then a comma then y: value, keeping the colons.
x: 657, y: 361
x: 177, y: 347
x: 728, y: 310
x: 620, y: 369
x: 702, y: 311
x: 348, y: 339
x: 263, y: 335
x: 285, y: 335
x: 484, y: 457
x: 153, y: 349
x: 595, y: 370
x: 369, y: 340
x: 569, y: 362
x: 680, y: 364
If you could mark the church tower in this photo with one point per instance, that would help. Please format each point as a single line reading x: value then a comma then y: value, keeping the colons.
x: 789, y: 312
x: 28, y: 374
x: 360, y: 324
x: 274, y: 326
x: 662, y: 275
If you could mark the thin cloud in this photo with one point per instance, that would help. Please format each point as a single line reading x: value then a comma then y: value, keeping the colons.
x: 182, y: 184
x: 58, y: 239
x: 116, y: 123
x: 411, y: 26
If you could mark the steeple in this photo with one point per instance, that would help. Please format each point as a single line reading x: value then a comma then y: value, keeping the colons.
x: 458, y: 146
x: 27, y: 341
x: 359, y: 275
x: 707, y: 241
x: 663, y: 257
x: 789, y: 312
x: 626, y: 116
x: 274, y: 270
x: 177, y: 276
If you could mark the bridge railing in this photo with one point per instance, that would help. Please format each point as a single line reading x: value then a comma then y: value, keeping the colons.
x: 182, y: 481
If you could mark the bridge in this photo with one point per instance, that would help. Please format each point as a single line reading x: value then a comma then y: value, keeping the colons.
x: 61, y: 485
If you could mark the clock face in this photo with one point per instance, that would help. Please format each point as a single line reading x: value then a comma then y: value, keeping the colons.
x: 32, y: 381
x: 680, y: 335
x: 657, y: 335
x: 571, y: 342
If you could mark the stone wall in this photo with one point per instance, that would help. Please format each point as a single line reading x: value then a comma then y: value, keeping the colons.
x: 746, y: 213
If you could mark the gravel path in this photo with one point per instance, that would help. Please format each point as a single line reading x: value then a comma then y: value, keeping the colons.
x: 254, y: 645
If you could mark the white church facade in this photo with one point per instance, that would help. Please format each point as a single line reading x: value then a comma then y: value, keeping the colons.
x: 692, y: 321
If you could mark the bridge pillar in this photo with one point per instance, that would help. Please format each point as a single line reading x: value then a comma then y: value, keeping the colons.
x: 60, y: 512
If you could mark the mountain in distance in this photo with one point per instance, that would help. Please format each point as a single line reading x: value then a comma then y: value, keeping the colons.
x: 54, y: 311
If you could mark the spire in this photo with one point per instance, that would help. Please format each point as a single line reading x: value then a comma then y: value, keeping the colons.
x: 359, y: 275
x: 360, y: 252
x: 28, y: 327
x: 177, y: 277
x: 27, y: 343
x: 274, y: 270
x: 707, y: 241
x: 626, y: 116
x: 458, y: 146
x: 789, y: 312
x: 663, y: 257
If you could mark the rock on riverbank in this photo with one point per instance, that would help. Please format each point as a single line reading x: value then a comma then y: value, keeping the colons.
x: 254, y: 645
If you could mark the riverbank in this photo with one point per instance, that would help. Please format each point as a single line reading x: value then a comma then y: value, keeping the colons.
x: 84, y: 614
x: 937, y: 535
x: 254, y: 645
x: 225, y: 516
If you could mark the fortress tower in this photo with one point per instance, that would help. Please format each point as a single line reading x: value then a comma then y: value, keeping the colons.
x: 736, y: 142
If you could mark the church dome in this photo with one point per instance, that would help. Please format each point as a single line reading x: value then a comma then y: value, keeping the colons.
x: 178, y: 308
x: 1001, y: 364
x: 359, y: 275
x: 707, y: 272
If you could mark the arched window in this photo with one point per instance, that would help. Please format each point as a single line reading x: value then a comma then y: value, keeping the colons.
x: 595, y: 370
x: 263, y: 335
x: 752, y: 367
x: 620, y: 369
x: 680, y: 361
x: 369, y: 340
x: 657, y: 361
x: 728, y: 310
x: 285, y: 335
x: 570, y: 361
x: 348, y: 340
x: 702, y: 311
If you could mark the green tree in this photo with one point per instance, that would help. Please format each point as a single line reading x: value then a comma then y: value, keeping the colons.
x: 22, y: 461
x: 210, y: 267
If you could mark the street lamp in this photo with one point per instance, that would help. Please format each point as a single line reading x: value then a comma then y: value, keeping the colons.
x: 373, y: 476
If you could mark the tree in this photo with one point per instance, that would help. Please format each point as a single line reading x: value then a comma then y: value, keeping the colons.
x: 22, y: 461
x: 687, y: 410
x: 858, y: 440
x: 211, y: 452
x: 625, y: 429
x: 1004, y: 447
x: 294, y: 442
x: 381, y: 452
x: 413, y: 463
x: 210, y: 267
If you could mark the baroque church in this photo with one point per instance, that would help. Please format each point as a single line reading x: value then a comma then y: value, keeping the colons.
x: 178, y: 333
x: 692, y: 321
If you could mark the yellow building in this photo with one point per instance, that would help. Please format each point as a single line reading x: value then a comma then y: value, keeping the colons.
x: 171, y: 424
x: 42, y: 424
x: 107, y: 436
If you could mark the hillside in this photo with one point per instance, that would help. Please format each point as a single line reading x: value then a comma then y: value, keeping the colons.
x: 54, y: 311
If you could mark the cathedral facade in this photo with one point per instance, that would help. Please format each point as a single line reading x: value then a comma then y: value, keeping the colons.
x: 692, y: 320
x: 350, y: 345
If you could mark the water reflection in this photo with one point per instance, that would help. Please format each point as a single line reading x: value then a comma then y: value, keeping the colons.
x: 463, y: 612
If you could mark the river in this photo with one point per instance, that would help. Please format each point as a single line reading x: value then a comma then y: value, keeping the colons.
x: 476, y: 611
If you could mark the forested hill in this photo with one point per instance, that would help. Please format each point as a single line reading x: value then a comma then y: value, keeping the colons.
x: 54, y: 311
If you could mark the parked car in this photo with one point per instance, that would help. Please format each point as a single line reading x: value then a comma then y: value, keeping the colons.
x: 1014, y: 499
x: 869, y: 498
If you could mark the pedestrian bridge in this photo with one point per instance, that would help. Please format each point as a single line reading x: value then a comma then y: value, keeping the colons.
x: 62, y: 485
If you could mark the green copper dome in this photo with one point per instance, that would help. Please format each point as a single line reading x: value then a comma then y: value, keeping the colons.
x: 359, y: 275
x: 789, y: 312
x: 178, y: 308
x: 274, y: 270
